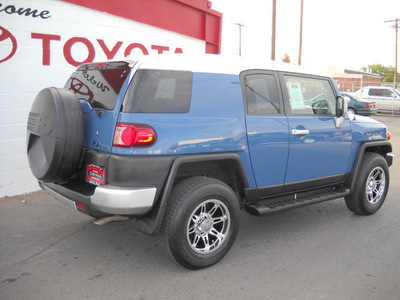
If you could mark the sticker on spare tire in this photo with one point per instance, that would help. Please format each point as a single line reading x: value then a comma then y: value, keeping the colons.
x: 95, y: 175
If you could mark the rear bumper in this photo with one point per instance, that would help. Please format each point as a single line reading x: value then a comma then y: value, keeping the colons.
x: 107, y: 199
x: 123, y: 201
x: 367, y: 112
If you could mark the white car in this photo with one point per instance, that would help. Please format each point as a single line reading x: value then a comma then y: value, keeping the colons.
x: 385, y: 98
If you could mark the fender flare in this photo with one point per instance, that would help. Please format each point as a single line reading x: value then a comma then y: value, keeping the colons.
x: 151, y: 223
x: 383, y: 147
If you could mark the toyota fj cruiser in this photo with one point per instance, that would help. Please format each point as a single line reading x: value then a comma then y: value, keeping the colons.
x: 183, y: 144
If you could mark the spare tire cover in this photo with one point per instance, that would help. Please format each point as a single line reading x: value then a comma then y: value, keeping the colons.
x: 55, y: 135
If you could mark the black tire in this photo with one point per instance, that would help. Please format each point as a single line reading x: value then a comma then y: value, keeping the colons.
x: 55, y: 135
x: 352, y: 110
x: 371, y: 185
x: 199, y: 209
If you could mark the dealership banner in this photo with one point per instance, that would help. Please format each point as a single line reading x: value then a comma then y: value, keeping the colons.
x: 42, y: 42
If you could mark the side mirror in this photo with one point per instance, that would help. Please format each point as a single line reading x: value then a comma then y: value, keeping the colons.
x: 342, y: 103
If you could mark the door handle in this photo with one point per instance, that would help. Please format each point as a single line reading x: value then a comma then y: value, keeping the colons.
x: 300, y: 131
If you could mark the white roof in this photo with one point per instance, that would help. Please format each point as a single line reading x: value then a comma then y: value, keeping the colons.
x: 377, y: 87
x: 212, y: 63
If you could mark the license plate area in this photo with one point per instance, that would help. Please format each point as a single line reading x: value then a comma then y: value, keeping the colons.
x: 95, y: 175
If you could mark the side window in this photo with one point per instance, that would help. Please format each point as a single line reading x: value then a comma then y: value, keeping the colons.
x: 387, y: 93
x: 374, y: 92
x: 261, y: 94
x: 381, y: 93
x: 159, y: 91
x: 310, y: 96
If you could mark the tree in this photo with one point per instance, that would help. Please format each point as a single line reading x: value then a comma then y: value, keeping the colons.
x: 286, y: 58
x: 387, y: 73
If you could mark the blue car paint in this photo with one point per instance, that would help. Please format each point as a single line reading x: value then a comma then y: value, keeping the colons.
x: 217, y: 116
x: 365, y: 129
x: 268, y: 138
x: 99, y: 126
x: 324, y: 152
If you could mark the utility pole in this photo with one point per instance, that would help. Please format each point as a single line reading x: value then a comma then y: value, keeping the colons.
x: 301, y: 33
x: 396, y: 26
x: 273, y: 29
x: 240, y: 37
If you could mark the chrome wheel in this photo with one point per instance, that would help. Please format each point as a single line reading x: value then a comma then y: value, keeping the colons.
x: 208, y: 226
x: 201, y: 222
x: 375, y: 185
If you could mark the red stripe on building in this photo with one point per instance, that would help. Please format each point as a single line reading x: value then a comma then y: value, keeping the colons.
x: 193, y: 18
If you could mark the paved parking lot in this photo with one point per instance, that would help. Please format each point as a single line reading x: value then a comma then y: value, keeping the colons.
x: 49, y: 251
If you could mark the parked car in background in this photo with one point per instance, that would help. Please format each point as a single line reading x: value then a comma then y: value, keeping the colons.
x: 385, y: 98
x: 359, y: 107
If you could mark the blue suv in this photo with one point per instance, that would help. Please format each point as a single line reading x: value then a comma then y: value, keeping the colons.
x: 182, y: 144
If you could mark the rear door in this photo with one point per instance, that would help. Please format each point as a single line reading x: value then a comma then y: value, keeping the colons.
x: 100, y: 88
x: 319, y: 152
x: 267, y: 130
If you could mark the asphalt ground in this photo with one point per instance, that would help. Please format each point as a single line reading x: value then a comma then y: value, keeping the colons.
x: 49, y: 251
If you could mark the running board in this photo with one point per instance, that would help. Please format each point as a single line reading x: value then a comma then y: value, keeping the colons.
x: 283, y: 203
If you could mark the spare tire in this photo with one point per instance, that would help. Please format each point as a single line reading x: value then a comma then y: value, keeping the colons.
x: 55, y: 135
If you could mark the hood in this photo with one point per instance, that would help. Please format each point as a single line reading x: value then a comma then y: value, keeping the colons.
x: 368, y: 129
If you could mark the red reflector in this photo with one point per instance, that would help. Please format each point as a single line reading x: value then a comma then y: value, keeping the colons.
x: 81, y: 206
x: 133, y: 135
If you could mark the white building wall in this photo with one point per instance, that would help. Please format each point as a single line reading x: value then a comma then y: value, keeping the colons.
x: 73, y: 34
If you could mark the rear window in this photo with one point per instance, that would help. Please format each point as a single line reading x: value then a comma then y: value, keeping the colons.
x: 159, y: 91
x: 99, y: 84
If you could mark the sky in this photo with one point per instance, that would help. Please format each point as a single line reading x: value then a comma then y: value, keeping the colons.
x: 348, y: 34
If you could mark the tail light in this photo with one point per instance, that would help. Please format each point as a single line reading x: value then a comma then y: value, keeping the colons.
x: 369, y: 105
x: 127, y: 135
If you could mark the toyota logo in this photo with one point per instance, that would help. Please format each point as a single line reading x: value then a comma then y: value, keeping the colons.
x: 78, y: 87
x: 5, y: 38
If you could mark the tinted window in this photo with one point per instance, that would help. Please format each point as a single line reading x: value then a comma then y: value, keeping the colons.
x: 159, y: 91
x: 373, y: 92
x: 381, y: 93
x: 310, y: 96
x: 261, y: 94
x: 99, y: 84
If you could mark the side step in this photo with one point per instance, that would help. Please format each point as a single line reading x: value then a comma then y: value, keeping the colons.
x: 292, y: 201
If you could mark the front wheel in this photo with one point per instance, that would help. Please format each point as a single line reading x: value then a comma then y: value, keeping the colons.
x: 371, y: 186
x: 201, y: 222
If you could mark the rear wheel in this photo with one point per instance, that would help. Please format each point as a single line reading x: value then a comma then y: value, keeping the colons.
x: 351, y: 110
x: 201, y: 222
x: 371, y: 186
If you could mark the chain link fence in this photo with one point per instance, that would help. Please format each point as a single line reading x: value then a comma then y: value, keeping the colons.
x: 351, y: 85
x: 389, y: 104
